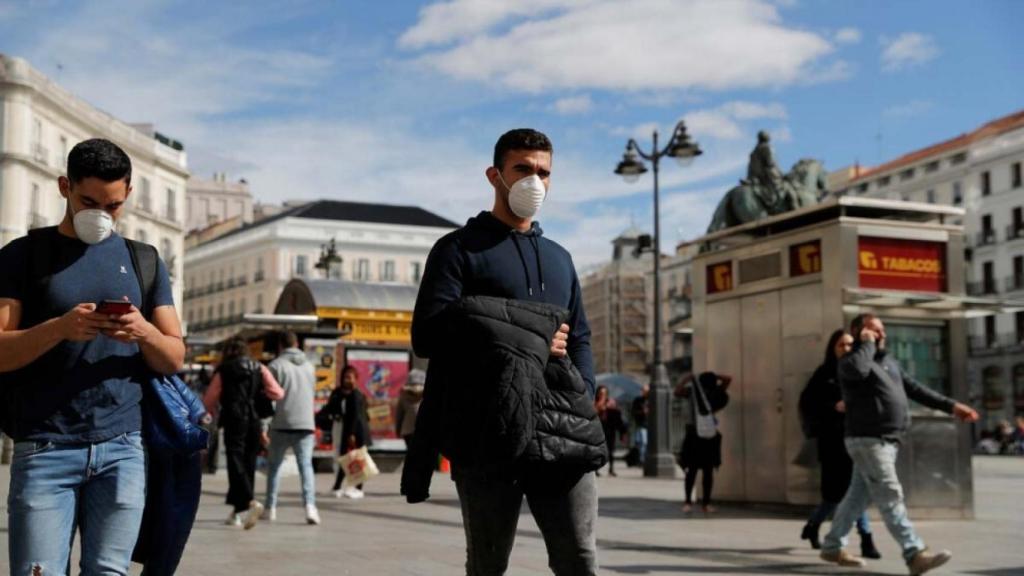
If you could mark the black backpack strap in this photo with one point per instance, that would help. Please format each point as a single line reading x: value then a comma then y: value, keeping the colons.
x: 144, y: 261
x: 39, y: 270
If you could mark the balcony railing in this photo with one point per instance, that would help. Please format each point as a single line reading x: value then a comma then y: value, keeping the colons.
x: 985, y: 238
x: 258, y: 277
x: 1015, y: 282
x: 1015, y: 231
x: 994, y: 342
x: 982, y: 288
x: 242, y: 281
x: 231, y: 283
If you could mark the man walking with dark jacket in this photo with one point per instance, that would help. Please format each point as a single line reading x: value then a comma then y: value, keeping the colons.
x: 875, y: 390
x: 503, y: 254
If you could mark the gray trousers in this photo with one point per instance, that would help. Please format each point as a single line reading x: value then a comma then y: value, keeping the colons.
x: 490, y: 513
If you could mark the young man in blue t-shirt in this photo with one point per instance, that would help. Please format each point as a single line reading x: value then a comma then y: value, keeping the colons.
x: 71, y: 376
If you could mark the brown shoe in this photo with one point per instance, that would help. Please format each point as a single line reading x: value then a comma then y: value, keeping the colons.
x: 842, y: 558
x: 925, y: 561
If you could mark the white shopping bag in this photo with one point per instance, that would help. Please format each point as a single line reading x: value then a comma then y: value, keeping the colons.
x: 358, y: 466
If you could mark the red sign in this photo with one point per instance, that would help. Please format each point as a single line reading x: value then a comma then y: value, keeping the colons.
x: 805, y: 258
x: 896, y: 264
x: 719, y: 277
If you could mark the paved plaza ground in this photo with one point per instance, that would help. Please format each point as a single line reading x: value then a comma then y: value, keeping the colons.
x: 641, y: 531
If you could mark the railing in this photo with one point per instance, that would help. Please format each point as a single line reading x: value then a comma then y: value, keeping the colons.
x: 242, y: 281
x: 982, y: 288
x: 996, y: 342
x: 1015, y: 231
x: 258, y: 276
x: 985, y: 238
x: 1015, y: 282
x: 231, y: 283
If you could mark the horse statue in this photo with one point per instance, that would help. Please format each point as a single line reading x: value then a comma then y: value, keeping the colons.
x: 748, y: 201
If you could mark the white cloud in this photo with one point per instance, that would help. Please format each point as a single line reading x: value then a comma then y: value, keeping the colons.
x: 607, y: 44
x: 573, y: 105
x: 909, y: 110
x: 907, y: 50
x: 723, y: 122
x: 847, y: 36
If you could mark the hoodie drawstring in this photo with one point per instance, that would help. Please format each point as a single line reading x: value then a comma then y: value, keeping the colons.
x: 526, y: 269
x: 540, y: 269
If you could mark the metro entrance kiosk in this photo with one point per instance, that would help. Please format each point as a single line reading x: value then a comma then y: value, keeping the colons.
x: 769, y: 293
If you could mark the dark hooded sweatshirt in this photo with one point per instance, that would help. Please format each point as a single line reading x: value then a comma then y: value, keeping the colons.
x: 488, y: 258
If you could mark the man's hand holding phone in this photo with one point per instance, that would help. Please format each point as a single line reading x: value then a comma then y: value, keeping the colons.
x: 123, y: 321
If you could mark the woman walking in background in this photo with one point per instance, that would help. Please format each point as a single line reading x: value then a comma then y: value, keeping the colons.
x: 235, y: 386
x: 702, y: 446
x: 346, y: 407
x: 611, y: 422
x: 822, y: 411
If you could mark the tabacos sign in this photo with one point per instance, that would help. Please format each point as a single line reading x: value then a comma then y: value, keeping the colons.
x: 896, y: 264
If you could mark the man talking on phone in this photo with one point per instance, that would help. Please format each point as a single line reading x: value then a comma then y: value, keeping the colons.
x: 71, y: 374
x: 876, y: 391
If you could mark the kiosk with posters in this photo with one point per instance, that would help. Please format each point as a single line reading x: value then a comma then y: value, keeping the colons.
x: 374, y: 322
x: 767, y: 295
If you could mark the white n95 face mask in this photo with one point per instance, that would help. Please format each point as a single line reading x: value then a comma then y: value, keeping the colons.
x: 526, y: 195
x: 93, y: 226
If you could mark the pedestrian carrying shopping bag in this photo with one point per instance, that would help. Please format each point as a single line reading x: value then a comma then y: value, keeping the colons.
x: 358, y: 466
x: 707, y: 426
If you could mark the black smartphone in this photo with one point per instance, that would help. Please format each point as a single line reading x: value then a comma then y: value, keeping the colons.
x: 114, y: 307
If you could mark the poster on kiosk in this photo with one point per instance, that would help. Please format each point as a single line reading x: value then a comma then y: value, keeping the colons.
x: 382, y: 373
x: 321, y: 353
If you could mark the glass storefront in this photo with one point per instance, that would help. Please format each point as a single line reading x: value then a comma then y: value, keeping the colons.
x: 923, y: 352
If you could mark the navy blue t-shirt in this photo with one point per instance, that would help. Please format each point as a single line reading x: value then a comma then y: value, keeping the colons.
x: 80, y: 391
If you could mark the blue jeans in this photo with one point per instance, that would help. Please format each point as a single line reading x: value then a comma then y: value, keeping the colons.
x: 56, y: 487
x: 301, y: 442
x: 874, y: 480
x: 640, y: 441
x: 822, y: 512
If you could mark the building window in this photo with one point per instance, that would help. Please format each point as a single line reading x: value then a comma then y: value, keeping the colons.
x: 241, y: 306
x: 986, y: 183
x: 1015, y: 175
x: 145, y: 202
x: 387, y: 271
x: 930, y: 195
x: 958, y: 159
x: 258, y: 277
x: 862, y: 188
x: 1016, y: 282
x: 209, y: 313
x: 361, y: 270
x: 884, y: 181
x: 63, y: 152
x: 990, y: 331
x: 415, y: 272
x: 259, y: 304
x: 170, y: 208
x: 931, y: 167
x: 1019, y: 317
x: 300, y: 265
x: 989, y: 279
x: 231, y: 308
x: 906, y: 174
x: 958, y: 194
x: 220, y: 310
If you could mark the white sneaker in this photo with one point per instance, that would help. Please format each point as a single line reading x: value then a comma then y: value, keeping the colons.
x: 338, y: 493
x: 253, y: 515
x: 270, y: 514
x: 234, y: 519
x: 312, y: 515
x: 354, y: 493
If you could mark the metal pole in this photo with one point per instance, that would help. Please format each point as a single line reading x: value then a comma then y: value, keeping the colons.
x: 659, y: 460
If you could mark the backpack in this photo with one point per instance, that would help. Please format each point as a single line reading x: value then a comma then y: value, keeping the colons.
x: 38, y: 274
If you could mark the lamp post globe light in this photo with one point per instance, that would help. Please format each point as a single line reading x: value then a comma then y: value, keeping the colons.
x: 659, y: 461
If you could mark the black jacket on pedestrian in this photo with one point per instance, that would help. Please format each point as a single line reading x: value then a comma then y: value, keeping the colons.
x: 823, y: 422
x: 354, y: 418
x: 499, y: 398
x: 486, y: 257
x: 876, y: 390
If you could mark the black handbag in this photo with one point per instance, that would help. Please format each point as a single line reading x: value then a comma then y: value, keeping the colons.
x: 263, y: 406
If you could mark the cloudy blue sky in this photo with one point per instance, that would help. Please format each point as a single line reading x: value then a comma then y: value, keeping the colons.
x: 401, y: 102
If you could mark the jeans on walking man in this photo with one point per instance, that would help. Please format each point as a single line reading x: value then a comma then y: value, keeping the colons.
x: 875, y: 390
x: 292, y: 425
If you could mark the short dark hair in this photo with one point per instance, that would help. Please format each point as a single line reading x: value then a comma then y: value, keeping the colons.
x: 858, y: 324
x: 99, y: 158
x: 519, y: 139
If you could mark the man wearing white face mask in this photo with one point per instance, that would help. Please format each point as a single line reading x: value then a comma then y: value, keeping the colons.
x: 71, y: 374
x: 502, y: 253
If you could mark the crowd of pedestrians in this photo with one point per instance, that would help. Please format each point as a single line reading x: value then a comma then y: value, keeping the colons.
x: 509, y: 396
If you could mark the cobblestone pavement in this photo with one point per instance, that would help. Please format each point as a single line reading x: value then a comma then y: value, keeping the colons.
x: 641, y: 531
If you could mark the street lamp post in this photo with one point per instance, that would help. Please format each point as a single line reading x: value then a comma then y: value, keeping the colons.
x: 659, y: 460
